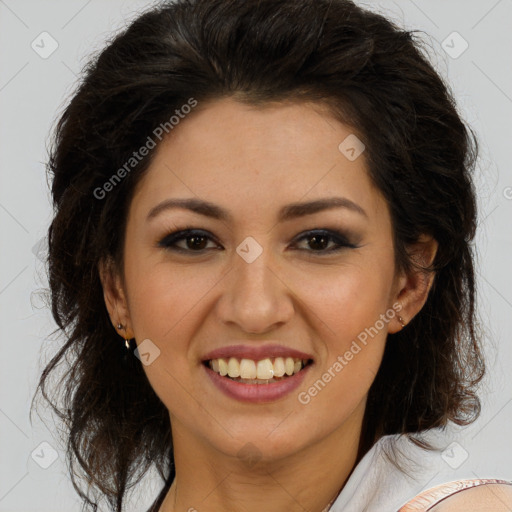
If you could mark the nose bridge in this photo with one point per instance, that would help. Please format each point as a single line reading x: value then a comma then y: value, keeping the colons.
x: 253, y: 278
x: 256, y: 298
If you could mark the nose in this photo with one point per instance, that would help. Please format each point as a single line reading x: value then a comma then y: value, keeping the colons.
x: 256, y: 298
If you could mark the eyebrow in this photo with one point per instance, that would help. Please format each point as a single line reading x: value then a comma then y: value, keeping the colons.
x: 287, y: 212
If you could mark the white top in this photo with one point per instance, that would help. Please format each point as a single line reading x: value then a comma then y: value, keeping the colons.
x: 376, y: 485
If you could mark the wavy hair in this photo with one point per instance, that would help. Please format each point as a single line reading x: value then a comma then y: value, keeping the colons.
x: 376, y: 78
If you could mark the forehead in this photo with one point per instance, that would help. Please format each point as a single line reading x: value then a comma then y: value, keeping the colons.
x: 246, y: 156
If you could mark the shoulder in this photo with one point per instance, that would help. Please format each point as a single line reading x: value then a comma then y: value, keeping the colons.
x: 483, y: 498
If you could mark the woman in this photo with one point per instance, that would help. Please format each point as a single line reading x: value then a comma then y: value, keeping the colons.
x: 261, y: 258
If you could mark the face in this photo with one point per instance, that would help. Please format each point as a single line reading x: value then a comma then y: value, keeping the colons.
x: 261, y: 282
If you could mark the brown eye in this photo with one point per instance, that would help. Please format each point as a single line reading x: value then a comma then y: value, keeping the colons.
x: 318, y: 241
x: 195, y: 241
x: 198, y: 242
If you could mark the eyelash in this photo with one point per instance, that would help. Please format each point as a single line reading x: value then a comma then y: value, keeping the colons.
x: 170, y: 240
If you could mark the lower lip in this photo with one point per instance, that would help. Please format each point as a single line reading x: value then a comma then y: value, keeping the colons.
x: 257, y: 393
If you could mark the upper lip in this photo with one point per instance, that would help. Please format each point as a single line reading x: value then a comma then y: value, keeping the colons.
x: 255, y: 353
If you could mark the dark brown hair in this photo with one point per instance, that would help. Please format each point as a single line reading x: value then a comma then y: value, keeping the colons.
x: 374, y: 77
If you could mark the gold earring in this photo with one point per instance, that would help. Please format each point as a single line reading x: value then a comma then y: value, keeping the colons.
x: 126, y: 342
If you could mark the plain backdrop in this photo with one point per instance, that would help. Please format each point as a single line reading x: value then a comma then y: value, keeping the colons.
x: 43, y: 46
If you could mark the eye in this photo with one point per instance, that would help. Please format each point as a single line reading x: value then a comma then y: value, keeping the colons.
x: 319, y: 240
x: 195, y: 240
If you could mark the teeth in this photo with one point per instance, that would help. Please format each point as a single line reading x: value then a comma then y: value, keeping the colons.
x: 223, y: 367
x: 263, y: 370
x: 247, y: 369
x: 289, y: 366
x: 233, y: 367
x: 279, y: 367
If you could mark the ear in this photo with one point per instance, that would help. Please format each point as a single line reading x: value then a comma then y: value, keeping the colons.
x: 414, y: 286
x: 115, y: 298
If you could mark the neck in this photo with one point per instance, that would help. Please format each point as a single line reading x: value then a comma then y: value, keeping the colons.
x: 309, y: 479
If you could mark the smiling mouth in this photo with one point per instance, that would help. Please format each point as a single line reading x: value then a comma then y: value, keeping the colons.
x: 263, y: 371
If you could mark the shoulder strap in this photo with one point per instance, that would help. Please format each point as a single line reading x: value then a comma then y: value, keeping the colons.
x: 427, y: 499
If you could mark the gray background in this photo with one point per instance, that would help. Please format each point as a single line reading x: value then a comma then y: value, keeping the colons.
x: 33, y: 91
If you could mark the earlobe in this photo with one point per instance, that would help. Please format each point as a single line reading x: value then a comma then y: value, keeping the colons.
x: 115, y: 297
x: 415, y: 285
x: 399, y: 321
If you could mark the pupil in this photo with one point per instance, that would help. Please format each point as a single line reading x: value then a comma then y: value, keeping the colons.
x: 323, y: 238
x: 195, y: 241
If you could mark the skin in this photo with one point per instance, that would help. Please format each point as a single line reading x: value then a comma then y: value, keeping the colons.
x: 252, y: 161
x: 486, y: 498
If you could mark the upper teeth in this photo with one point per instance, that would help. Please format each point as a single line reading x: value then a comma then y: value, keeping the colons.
x: 262, y: 369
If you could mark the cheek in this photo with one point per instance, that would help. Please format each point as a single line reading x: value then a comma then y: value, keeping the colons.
x: 353, y: 339
x: 165, y: 302
x: 163, y: 297
x: 347, y: 299
x: 347, y: 307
